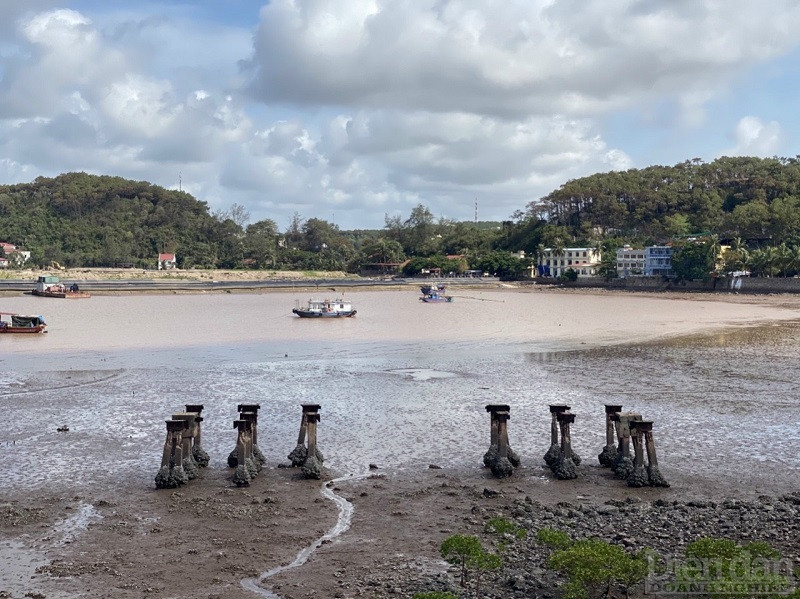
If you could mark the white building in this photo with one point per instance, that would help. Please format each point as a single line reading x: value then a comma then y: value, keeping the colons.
x: 584, y: 261
x: 630, y: 261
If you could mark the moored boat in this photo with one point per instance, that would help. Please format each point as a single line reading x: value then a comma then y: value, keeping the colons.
x: 435, y: 295
x: 327, y: 308
x: 20, y: 323
x: 50, y: 286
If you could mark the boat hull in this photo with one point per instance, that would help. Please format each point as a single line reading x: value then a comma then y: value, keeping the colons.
x: 61, y: 294
x: 23, y: 330
x: 315, y: 314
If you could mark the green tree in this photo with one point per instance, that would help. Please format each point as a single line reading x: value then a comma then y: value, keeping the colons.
x: 461, y: 550
x: 693, y: 260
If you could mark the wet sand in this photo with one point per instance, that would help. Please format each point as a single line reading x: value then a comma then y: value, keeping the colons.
x: 65, y: 539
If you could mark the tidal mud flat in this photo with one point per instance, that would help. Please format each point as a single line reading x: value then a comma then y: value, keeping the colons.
x: 80, y: 515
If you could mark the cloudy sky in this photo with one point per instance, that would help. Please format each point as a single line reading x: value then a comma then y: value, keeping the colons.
x: 353, y: 110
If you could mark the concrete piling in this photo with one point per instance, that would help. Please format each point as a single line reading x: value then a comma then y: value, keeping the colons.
x: 300, y: 452
x: 198, y: 453
x: 623, y: 466
x: 187, y: 439
x: 251, y: 410
x: 554, y: 452
x: 565, y: 468
x: 608, y: 455
x: 171, y: 474
x: 491, y: 454
x: 245, y: 468
x: 656, y: 478
x: 312, y: 467
x: 501, y: 466
x: 638, y: 476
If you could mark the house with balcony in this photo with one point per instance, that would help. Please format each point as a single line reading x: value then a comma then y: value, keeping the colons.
x: 584, y: 261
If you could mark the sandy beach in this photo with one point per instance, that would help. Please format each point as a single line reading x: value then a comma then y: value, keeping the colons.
x: 208, y: 539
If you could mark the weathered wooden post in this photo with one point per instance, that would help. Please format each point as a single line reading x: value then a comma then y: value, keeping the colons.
x: 624, y: 464
x: 312, y: 467
x: 171, y: 474
x: 299, y: 454
x: 501, y: 466
x: 638, y: 476
x: 653, y: 474
x: 245, y: 469
x: 565, y: 467
x: 491, y: 455
x: 198, y: 453
x: 187, y: 441
x: 608, y: 456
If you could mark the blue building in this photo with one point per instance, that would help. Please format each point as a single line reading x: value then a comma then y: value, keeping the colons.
x: 658, y: 261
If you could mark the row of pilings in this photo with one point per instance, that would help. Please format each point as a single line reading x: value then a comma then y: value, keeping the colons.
x: 183, y: 455
x: 623, y: 429
x: 628, y: 428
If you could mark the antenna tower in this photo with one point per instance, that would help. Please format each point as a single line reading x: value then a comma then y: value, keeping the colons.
x: 476, y: 211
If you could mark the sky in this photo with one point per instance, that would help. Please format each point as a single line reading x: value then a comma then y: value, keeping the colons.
x: 352, y: 111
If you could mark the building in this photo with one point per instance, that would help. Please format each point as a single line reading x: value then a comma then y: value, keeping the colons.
x: 167, y: 262
x: 14, y: 256
x: 630, y: 261
x: 584, y: 261
x: 658, y: 260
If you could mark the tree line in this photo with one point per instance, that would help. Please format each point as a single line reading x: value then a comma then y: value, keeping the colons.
x: 77, y: 219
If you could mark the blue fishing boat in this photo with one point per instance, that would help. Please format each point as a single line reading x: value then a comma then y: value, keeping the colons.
x: 435, y: 295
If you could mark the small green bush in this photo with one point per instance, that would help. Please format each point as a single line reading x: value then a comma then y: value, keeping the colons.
x: 434, y: 595
x: 555, y: 539
x: 502, y: 526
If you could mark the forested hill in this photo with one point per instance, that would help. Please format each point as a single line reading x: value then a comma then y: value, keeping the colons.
x: 88, y: 220
x: 749, y: 198
x: 85, y: 220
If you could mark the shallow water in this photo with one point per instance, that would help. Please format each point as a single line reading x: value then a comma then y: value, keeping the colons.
x: 402, y: 385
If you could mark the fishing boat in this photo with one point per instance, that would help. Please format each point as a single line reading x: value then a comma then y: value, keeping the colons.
x: 434, y: 295
x: 50, y: 286
x: 20, y: 323
x: 327, y: 308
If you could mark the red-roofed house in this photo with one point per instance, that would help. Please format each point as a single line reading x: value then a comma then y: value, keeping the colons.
x: 166, y: 262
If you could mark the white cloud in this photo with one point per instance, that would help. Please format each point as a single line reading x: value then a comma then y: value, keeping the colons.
x: 372, y: 106
x: 754, y: 137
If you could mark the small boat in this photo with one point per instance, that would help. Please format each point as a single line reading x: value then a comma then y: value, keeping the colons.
x: 50, y: 286
x: 336, y: 308
x: 434, y: 295
x: 20, y: 323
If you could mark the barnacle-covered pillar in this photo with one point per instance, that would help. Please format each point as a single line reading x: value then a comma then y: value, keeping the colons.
x: 299, y: 454
x: 638, y: 476
x: 245, y: 469
x: 250, y: 412
x: 198, y: 453
x: 608, y: 455
x: 171, y: 474
x: 656, y: 478
x: 491, y: 455
x: 553, y: 454
x: 624, y: 464
x: 312, y: 467
x: 565, y: 467
x: 502, y: 466
x: 187, y: 442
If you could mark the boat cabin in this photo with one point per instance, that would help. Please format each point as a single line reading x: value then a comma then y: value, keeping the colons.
x: 48, y: 283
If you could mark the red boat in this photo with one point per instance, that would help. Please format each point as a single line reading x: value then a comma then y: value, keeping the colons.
x: 20, y: 323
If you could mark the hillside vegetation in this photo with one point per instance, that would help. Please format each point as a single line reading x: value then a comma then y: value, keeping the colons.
x: 81, y: 220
